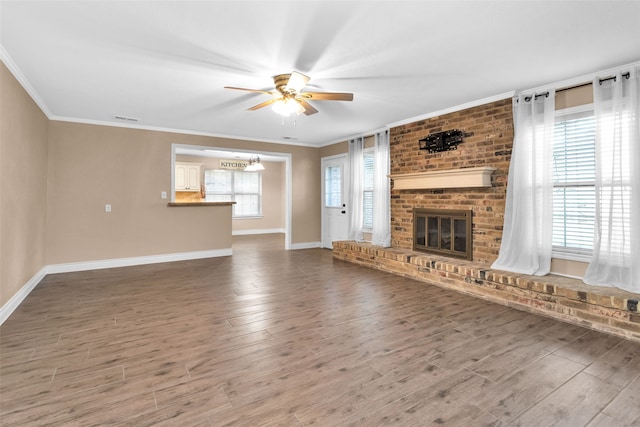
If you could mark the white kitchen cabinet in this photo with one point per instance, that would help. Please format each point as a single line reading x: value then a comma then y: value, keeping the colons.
x: 187, y: 176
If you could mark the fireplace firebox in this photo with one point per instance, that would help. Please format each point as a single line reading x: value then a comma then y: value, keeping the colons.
x: 443, y: 232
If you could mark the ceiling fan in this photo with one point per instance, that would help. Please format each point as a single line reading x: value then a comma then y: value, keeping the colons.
x: 289, y: 98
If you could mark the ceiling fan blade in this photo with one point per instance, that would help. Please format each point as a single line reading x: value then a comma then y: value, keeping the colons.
x: 251, y: 90
x: 296, y: 82
x: 327, y: 96
x: 263, y: 104
x: 308, y: 109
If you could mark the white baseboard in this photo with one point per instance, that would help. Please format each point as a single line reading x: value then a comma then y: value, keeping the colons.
x: 17, y: 299
x: 19, y: 296
x: 306, y: 245
x: 257, y: 231
x: 127, y: 262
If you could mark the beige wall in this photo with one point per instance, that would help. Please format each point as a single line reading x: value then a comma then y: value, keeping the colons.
x: 90, y: 166
x: 273, y: 194
x: 334, y: 149
x: 23, y: 186
x: 574, y: 96
x: 343, y: 147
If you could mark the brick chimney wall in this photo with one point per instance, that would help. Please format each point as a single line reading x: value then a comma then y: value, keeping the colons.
x: 490, y: 145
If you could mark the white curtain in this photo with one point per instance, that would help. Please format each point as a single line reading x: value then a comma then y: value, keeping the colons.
x: 527, y: 239
x: 355, y: 195
x: 381, y: 192
x: 616, y: 248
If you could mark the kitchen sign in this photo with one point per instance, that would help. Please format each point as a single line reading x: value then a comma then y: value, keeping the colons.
x: 233, y: 164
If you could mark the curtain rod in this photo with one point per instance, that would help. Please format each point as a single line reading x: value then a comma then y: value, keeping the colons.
x: 626, y: 75
x: 583, y: 79
x: 536, y: 96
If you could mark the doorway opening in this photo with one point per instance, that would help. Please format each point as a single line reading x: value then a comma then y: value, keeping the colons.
x: 278, y: 202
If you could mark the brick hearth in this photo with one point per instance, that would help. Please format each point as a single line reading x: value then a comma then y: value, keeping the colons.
x: 601, y: 308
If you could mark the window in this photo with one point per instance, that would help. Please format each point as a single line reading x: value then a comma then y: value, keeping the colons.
x: 244, y: 188
x: 368, y: 172
x: 333, y: 186
x: 574, y: 158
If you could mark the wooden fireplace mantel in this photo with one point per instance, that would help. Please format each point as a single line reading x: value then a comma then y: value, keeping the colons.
x: 452, y: 178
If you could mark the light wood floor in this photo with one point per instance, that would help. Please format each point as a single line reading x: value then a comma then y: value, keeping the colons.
x: 274, y: 337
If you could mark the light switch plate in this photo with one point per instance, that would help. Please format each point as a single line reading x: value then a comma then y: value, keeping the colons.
x: 163, y: 195
x: 107, y: 208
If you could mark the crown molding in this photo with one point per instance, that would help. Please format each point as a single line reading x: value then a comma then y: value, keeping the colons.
x: 17, y: 73
x: 177, y: 131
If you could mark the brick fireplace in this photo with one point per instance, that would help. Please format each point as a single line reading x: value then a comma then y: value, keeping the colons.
x: 422, y: 180
x: 489, y: 148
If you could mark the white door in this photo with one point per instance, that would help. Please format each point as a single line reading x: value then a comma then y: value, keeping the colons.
x: 335, y: 219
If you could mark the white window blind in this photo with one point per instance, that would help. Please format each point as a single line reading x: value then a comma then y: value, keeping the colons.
x: 367, y: 188
x: 574, y: 184
x: 244, y: 188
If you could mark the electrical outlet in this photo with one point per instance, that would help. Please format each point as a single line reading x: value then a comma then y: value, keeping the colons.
x: 107, y: 208
x: 163, y: 195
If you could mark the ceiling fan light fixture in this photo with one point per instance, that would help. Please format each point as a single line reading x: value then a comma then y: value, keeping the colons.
x: 286, y: 107
x: 288, y: 97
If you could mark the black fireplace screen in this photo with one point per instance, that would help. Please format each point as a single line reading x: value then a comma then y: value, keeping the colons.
x: 443, y: 232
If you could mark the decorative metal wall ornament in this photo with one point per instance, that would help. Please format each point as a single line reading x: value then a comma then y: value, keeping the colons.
x: 443, y: 141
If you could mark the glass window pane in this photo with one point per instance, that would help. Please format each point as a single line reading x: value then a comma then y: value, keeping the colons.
x: 367, y: 186
x: 574, y: 169
x: 333, y: 186
x: 218, y: 181
x: 460, y: 235
x: 420, y: 231
x: 247, y: 205
x: 245, y: 188
x: 445, y: 233
x: 367, y: 219
x: 573, y: 217
x: 432, y: 227
x: 246, y: 182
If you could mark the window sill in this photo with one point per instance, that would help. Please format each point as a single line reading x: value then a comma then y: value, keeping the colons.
x: 248, y: 217
x: 571, y: 256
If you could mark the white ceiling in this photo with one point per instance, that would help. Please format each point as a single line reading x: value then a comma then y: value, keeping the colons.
x: 166, y: 63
